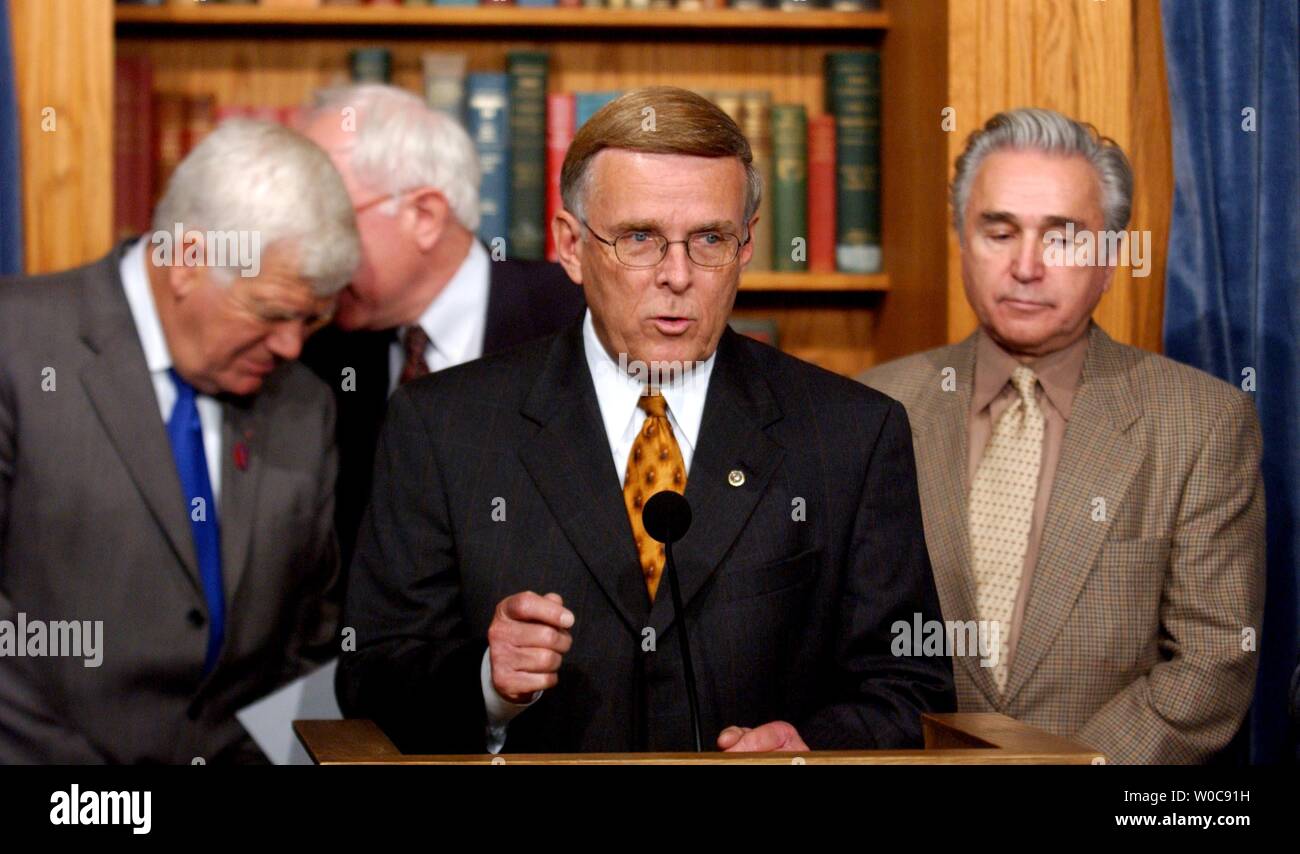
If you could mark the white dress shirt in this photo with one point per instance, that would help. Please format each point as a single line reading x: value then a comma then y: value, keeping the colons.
x: 617, y: 392
x: 139, y: 296
x: 456, y: 321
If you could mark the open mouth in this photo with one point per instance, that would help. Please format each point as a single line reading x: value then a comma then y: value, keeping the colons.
x: 671, y: 325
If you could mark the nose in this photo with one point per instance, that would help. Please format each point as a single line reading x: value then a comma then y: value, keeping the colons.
x: 285, y: 341
x: 675, y: 269
x: 1027, y: 265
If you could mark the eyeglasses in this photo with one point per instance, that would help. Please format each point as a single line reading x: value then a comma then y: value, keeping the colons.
x: 357, y: 210
x: 640, y: 248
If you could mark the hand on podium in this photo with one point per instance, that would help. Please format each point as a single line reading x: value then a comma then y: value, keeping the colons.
x: 527, y: 641
x: 777, y: 736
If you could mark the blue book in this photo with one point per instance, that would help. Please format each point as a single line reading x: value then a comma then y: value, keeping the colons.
x: 587, y: 104
x: 488, y: 123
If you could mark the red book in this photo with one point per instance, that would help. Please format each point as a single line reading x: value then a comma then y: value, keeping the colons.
x: 132, y: 146
x: 560, y: 116
x: 821, y: 194
x: 169, y: 136
x: 229, y: 111
x: 200, y: 119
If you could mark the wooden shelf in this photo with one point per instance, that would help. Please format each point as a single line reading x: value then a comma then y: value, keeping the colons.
x: 803, y: 282
x: 721, y: 20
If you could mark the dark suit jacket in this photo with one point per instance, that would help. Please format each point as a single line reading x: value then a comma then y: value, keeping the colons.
x: 94, y: 526
x: 789, y: 612
x: 526, y: 300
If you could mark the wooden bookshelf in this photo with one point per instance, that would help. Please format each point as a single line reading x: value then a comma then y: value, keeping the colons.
x: 1101, y: 62
x: 814, y: 20
x: 786, y: 282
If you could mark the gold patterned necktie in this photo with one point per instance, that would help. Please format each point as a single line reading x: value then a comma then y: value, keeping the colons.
x: 1002, y: 508
x: 654, y: 464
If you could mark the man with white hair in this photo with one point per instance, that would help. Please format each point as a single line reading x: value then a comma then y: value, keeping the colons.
x: 1096, y: 509
x: 167, y: 470
x: 428, y: 294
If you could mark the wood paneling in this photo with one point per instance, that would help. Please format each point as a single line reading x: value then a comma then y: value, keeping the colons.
x: 63, y: 61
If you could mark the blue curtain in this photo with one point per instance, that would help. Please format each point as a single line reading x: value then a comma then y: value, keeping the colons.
x: 1232, y: 292
x: 11, y: 210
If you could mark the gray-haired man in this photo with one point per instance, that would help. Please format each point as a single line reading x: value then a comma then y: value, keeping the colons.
x: 1095, y: 512
x: 167, y: 471
x: 427, y: 294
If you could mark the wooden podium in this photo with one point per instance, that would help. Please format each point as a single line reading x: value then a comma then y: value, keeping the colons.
x: 952, y: 739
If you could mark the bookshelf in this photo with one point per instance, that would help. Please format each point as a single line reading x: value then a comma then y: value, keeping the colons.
x: 809, y: 20
x: 1102, y: 62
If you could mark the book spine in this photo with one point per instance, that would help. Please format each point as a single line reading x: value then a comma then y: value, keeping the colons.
x: 527, y: 106
x: 789, y: 187
x: 755, y: 124
x: 489, y: 127
x: 853, y: 97
x: 444, y: 83
x: 559, y: 134
x: 821, y: 194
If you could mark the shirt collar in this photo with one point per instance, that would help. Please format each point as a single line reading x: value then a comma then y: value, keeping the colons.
x: 1058, y: 373
x: 618, y: 391
x: 455, y: 321
x: 139, y: 296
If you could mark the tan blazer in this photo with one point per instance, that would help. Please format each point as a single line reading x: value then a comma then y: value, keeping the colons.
x: 1144, y: 606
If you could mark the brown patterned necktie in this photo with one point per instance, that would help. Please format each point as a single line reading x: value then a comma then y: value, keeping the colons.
x: 1002, y: 509
x: 414, y: 344
x: 654, y: 464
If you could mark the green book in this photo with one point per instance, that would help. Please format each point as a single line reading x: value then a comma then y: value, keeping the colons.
x: 527, y: 105
x: 853, y: 97
x: 789, y: 187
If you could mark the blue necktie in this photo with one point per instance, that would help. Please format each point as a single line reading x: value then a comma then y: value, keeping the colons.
x: 186, y: 435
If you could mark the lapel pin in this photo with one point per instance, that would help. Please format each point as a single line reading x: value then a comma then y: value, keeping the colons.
x: 736, y: 477
x: 241, y: 456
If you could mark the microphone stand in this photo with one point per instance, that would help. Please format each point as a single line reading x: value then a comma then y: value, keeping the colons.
x: 691, y: 697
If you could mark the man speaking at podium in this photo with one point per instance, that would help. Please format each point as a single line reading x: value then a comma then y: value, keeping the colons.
x: 505, y: 593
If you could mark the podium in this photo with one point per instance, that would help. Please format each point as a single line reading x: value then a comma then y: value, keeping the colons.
x: 950, y: 739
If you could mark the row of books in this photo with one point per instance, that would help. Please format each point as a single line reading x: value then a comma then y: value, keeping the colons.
x: 821, y: 174
x: 784, y: 5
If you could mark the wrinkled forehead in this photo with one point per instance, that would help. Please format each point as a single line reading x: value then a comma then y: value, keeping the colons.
x: 675, y: 188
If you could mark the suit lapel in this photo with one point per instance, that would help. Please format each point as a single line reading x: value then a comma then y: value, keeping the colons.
x: 118, y: 385
x: 739, y: 405
x: 1098, y: 460
x: 942, y: 459
x: 569, y: 462
x: 243, y: 433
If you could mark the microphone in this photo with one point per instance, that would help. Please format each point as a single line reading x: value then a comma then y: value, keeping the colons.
x: 667, y: 518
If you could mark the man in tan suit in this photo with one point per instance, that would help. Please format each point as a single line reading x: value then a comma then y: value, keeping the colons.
x: 1096, y: 509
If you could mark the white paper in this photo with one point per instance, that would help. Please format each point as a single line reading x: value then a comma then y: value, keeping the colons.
x: 270, y: 720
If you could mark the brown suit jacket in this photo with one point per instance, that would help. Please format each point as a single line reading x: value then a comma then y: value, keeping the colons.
x: 1139, y: 633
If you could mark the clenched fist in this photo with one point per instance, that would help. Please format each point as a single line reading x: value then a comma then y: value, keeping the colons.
x: 527, y: 641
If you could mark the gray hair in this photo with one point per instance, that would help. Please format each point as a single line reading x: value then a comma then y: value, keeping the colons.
x: 1051, y: 132
x: 256, y: 177
x: 402, y: 144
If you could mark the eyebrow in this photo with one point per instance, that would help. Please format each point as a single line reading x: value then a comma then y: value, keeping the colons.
x: 656, y: 225
x: 1007, y: 218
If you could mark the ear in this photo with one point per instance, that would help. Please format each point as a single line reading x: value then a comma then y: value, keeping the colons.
x: 429, y: 214
x: 747, y: 251
x: 567, y: 232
